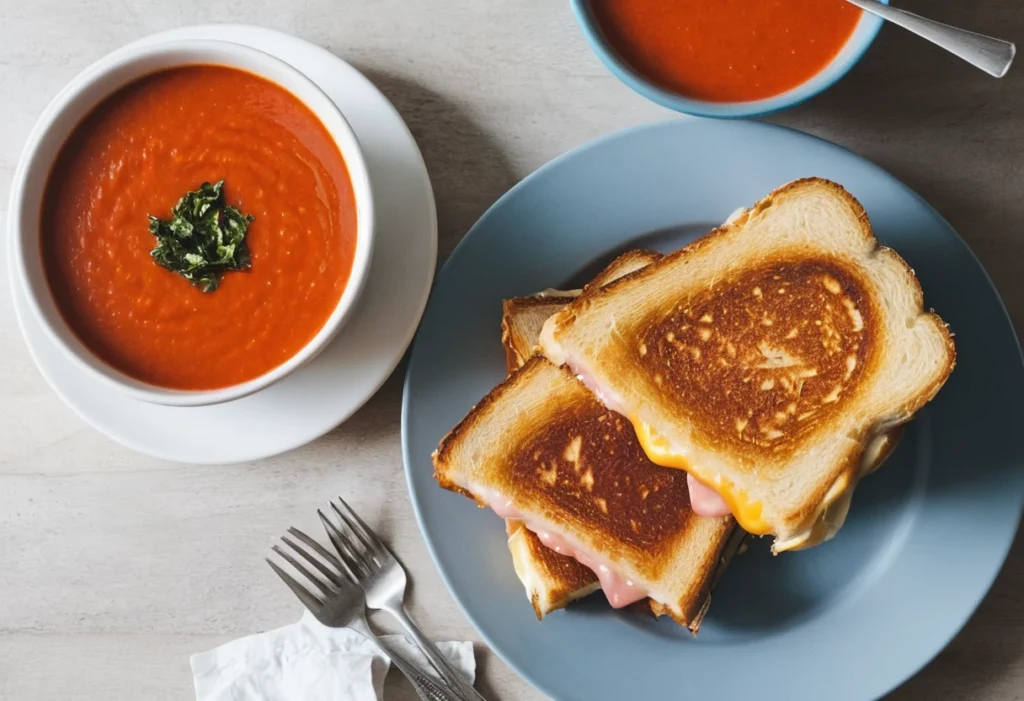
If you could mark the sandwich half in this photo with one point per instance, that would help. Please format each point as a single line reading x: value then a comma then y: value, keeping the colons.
x: 541, y: 449
x: 552, y: 580
x: 773, y: 359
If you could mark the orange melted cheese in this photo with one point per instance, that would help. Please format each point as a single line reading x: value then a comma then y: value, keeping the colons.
x: 746, y: 512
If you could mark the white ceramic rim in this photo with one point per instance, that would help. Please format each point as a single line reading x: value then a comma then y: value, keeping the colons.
x: 74, y: 102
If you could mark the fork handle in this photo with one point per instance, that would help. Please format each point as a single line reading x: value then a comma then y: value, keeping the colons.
x: 426, y: 688
x: 449, y: 673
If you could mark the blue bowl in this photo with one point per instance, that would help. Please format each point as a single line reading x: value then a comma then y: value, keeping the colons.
x: 858, y: 43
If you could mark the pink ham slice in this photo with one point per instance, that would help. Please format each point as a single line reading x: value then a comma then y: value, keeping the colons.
x: 705, y: 500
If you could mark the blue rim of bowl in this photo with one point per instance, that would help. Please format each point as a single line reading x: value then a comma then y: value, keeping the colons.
x: 867, y: 29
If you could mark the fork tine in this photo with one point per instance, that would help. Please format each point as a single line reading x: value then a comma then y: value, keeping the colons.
x: 355, y: 543
x: 327, y: 554
x: 367, y: 542
x: 326, y: 590
x: 323, y: 569
x: 367, y: 531
x: 308, y: 600
x: 353, y: 563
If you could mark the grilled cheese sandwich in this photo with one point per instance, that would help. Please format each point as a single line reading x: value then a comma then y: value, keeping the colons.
x: 774, y: 359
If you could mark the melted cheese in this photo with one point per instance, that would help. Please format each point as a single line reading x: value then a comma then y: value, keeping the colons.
x: 831, y: 514
x: 747, y: 513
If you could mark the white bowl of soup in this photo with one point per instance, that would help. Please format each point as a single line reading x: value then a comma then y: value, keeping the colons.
x: 192, y: 220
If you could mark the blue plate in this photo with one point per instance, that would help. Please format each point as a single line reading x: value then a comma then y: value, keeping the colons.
x: 850, y: 619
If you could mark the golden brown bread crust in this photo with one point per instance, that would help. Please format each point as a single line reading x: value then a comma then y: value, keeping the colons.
x: 585, y: 464
x: 591, y: 293
x: 766, y: 357
x: 772, y: 423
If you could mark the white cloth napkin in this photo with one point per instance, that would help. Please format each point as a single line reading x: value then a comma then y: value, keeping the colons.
x: 307, y: 661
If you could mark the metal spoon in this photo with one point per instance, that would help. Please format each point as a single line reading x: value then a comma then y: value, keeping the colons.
x: 993, y: 56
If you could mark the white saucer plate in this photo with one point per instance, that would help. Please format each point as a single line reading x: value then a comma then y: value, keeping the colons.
x: 316, y: 398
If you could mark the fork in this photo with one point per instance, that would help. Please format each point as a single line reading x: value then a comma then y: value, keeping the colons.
x: 342, y: 604
x: 383, y: 581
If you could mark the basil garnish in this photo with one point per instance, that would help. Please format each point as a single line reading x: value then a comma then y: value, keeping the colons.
x: 203, y: 238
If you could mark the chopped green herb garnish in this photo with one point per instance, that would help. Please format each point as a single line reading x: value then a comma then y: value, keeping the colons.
x: 203, y: 238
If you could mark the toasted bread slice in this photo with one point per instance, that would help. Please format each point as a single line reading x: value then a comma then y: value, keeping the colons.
x: 524, y: 317
x: 540, y: 448
x: 771, y: 359
x: 552, y: 581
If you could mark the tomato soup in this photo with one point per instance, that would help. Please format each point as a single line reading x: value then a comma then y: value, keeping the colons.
x: 726, y: 50
x: 140, y: 151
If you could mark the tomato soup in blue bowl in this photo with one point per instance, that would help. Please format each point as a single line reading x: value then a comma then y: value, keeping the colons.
x: 727, y: 58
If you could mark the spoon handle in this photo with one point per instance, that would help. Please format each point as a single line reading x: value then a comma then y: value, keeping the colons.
x: 993, y: 56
